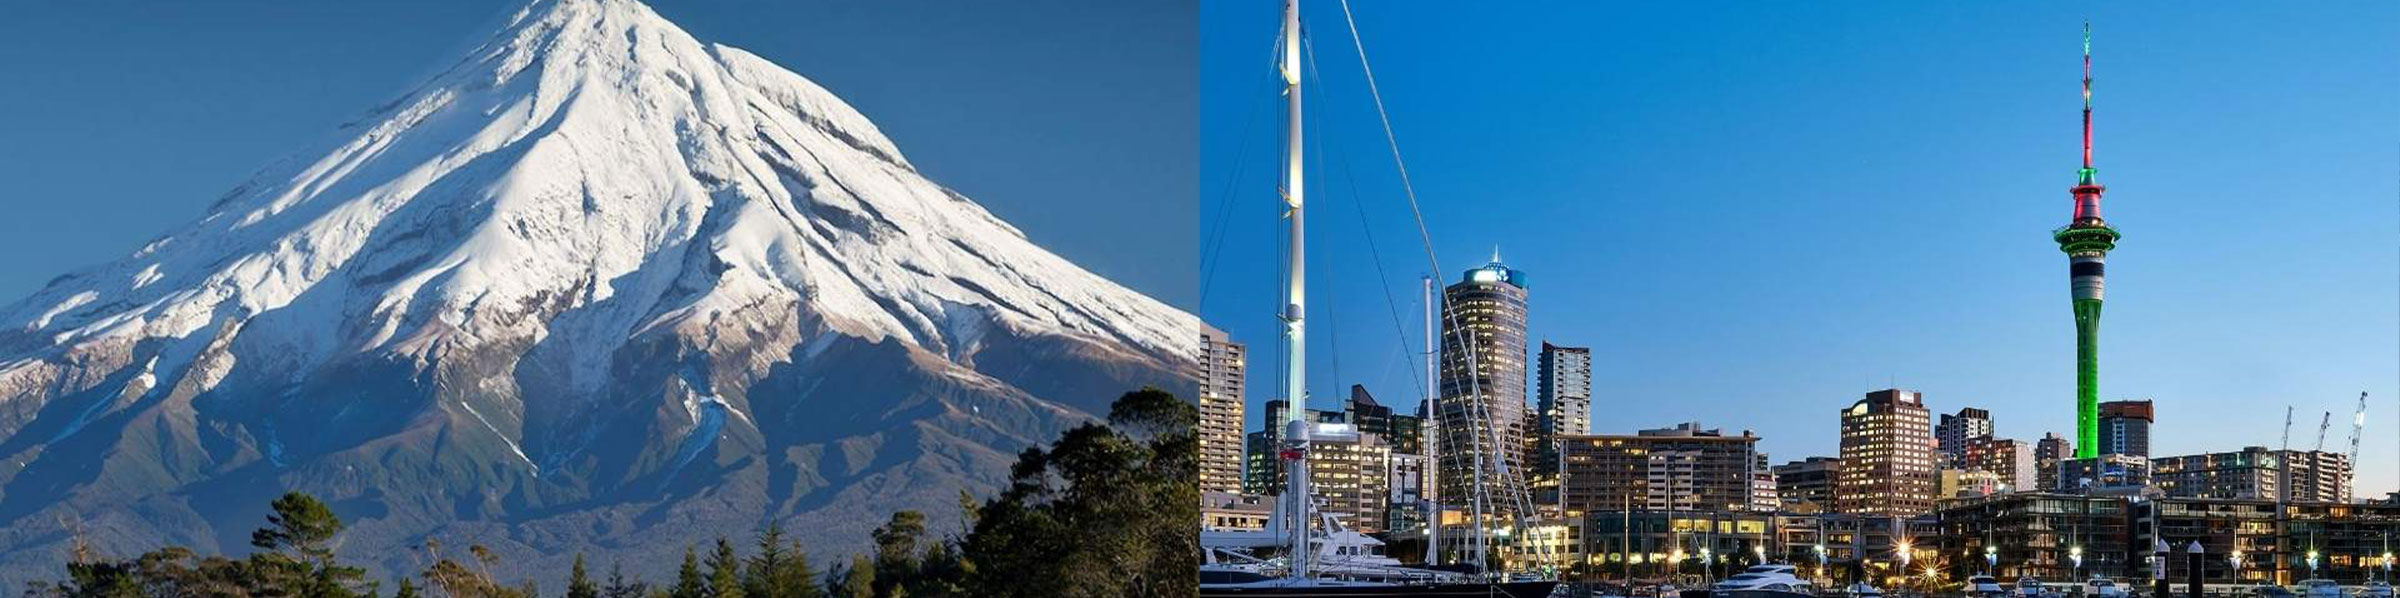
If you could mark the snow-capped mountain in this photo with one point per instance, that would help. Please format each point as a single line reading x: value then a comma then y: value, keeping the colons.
x: 597, y: 285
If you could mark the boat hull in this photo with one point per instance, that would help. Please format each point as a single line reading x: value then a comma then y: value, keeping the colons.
x: 1520, y: 589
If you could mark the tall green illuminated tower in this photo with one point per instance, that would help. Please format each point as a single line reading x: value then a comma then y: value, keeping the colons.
x: 2086, y: 240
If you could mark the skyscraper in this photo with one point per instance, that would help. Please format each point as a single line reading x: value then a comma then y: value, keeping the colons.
x: 1221, y: 443
x: 1955, y: 431
x: 1481, y: 408
x: 2086, y: 240
x: 1887, y: 456
x: 2125, y: 427
x: 1563, y: 391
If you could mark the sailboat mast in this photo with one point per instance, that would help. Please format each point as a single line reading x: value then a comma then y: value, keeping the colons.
x: 1294, y: 295
x: 1432, y: 444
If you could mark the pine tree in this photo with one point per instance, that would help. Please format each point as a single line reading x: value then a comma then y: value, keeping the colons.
x: 688, y: 583
x: 860, y: 582
x: 618, y: 587
x: 408, y: 589
x: 724, y: 571
x: 760, y: 579
x: 579, y: 584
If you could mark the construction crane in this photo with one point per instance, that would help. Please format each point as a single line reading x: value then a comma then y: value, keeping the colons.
x: 2321, y: 427
x: 2358, y: 424
x: 2287, y: 428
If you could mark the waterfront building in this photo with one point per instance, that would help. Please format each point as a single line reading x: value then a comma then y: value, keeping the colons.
x: 1683, y: 468
x: 1887, y: 456
x: 2040, y: 535
x: 1220, y: 426
x: 1481, y: 406
x: 1229, y: 511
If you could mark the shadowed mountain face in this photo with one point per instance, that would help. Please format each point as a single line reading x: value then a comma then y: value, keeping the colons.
x: 598, y: 286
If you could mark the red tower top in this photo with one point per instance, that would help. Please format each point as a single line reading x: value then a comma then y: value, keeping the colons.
x: 2087, y: 187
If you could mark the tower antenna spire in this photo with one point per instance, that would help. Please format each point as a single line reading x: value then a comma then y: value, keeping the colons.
x: 2085, y: 176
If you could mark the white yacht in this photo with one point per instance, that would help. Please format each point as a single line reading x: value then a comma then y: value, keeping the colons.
x: 2102, y: 587
x: 2320, y: 588
x: 1862, y: 590
x: 2028, y: 587
x: 1984, y: 585
x: 1764, y: 581
x: 2376, y: 589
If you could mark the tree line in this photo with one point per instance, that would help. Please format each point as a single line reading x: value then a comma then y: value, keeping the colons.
x: 1106, y: 510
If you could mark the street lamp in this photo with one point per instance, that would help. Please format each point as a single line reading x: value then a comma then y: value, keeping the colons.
x: 1821, y: 560
x: 2312, y: 564
x: 1708, y: 563
x: 1761, y: 550
x: 2387, y: 565
x: 2076, y: 554
x: 1991, y: 560
x: 2236, y: 559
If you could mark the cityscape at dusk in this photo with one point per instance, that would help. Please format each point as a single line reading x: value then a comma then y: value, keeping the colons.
x: 1751, y: 239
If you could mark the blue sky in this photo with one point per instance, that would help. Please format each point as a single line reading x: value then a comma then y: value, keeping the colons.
x: 1755, y: 213
x: 1072, y: 120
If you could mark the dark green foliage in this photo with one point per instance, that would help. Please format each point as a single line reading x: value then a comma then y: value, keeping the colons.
x: 858, y: 581
x: 724, y: 572
x: 1106, y: 511
x: 688, y: 582
x: 1102, y: 512
x: 618, y: 587
x: 579, y: 583
x: 896, y: 551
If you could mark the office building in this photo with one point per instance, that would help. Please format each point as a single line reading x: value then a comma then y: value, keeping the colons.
x: 1481, y: 409
x: 1563, y: 395
x: 2112, y: 474
x: 2048, y: 454
x: 1220, y: 426
x: 2256, y: 473
x: 2010, y: 461
x: 1684, y: 468
x: 2125, y: 427
x: 1806, y: 486
x: 1887, y: 456
x: 2051, y: 537
x: 1955, y: 430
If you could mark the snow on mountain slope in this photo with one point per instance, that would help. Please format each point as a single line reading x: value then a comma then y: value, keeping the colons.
x: 593, y: 226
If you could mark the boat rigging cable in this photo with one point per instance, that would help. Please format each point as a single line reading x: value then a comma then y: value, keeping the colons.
x: 1374, y: 252
x: 1511, y: 483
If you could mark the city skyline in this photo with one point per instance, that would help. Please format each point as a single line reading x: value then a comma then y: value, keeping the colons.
x: 1867, y: 216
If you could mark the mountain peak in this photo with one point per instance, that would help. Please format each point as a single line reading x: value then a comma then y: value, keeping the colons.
x: 593, y: 271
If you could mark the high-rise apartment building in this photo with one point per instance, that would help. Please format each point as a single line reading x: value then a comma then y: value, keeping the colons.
x: 1806, y: 486
x: 2011, y: 461
x: 1684, y: 468
x: 1563, y: 394
x: 2048, y: 454
x: 1888, y: 460
x: 1220, y: 428
x: 1481, y: 410
x: 2125, y: 427
x: 1955, y: 430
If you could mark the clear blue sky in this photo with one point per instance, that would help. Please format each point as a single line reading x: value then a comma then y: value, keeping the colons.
x: 1073, y: 120
x: 1755, y: 213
